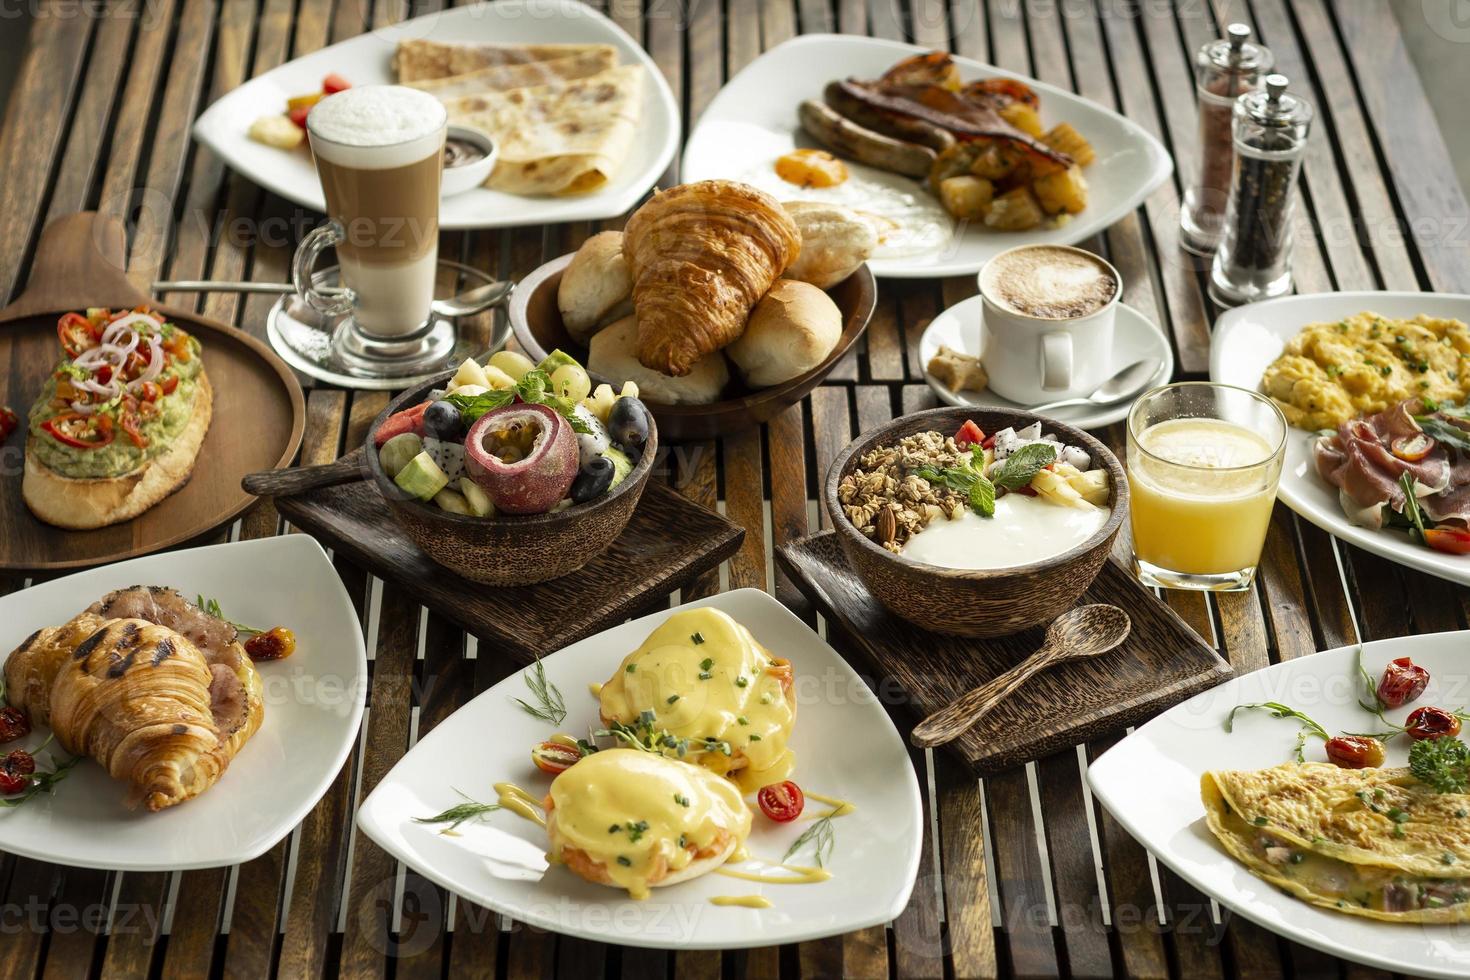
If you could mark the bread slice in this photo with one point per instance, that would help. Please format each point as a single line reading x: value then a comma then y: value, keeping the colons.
x: 81, y: 505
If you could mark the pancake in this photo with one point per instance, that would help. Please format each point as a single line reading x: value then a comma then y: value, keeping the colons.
x: 566, y: 137
x: 1370, y: 842
x: 415, y: 60
x: 499, y: 78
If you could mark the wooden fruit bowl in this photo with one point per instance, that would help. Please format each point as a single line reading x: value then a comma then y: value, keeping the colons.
x: 975, y: 602
x: 536, y: 320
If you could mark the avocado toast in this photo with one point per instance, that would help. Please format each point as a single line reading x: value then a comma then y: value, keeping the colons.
x: 119, y: 422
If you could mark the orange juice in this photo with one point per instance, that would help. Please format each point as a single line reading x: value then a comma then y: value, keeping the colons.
x: 1202, y: 491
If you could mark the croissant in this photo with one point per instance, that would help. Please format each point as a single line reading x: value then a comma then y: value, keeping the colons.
x: 139, y: 698
x: 701, y: 255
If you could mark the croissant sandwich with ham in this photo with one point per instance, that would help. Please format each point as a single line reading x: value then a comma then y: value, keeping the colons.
x: 153, y: 688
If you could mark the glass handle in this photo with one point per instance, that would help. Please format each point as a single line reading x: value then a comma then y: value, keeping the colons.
x: 332, y: 301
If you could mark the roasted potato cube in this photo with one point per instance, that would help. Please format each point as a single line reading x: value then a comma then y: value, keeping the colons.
x: 1015, y: 210
x: 1065, y: 190
x: 966, y: 196
x: 1024, y: 117
x: 952, y: 162
x: 1063, y: 137
x: 995, y: 162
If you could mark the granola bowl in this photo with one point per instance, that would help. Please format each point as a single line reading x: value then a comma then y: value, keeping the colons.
x: 963, y: 602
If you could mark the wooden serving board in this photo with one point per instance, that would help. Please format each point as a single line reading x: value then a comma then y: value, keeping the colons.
x: 259, y: 412
x: 668, y: 541
x: 1161, y: 663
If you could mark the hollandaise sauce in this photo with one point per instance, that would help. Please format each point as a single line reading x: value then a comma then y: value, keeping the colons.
x: 781, y: 874
x: 744, y: 901
x: 702, y: 677
x: 636, y: 819
x: 840, y: 808
x: 516, y: 800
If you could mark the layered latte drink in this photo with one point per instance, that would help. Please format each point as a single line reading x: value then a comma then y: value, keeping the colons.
x: 379, y: 152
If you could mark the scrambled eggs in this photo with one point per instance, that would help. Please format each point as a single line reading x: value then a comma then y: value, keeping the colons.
x: 1332, y: 372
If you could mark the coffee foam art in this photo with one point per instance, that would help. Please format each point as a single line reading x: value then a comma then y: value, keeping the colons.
x: 1052, y: 283
x: 377, y: 127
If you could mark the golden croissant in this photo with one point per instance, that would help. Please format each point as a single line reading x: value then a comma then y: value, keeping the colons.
x: 158, y: 710
x: 700, y: 256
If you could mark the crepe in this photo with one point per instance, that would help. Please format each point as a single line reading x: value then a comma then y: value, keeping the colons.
x: 498, y: 78
x: 415, y: 61
x: 567, y: 137
x: 1370, y: 842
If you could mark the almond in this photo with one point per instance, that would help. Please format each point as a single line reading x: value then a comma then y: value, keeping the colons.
x: 887, y: 526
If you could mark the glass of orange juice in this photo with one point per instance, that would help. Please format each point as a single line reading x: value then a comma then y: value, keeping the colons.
x: 1203, y: 463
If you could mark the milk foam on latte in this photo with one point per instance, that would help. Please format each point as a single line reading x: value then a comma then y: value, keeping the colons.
x: 379, y: 153
x: 1049, y: 282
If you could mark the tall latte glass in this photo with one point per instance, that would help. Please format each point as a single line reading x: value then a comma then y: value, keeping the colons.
x: 379, y: 152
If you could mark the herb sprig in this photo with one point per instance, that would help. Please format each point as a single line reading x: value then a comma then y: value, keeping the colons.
x: 534, y: 388
x: 211, y: 607
x: 1021, y: 466
x: 1445, y: 432
x: 1443, y: 763
x: 822, y: 838
x: 459, y: 813
x: 968, y: 478
x: 549, y: 705
x: 1309, y: 727
x: 42, y: 781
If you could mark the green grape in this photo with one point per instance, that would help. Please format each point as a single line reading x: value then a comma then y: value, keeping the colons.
x: 512, y: 363
x: 571, y: 381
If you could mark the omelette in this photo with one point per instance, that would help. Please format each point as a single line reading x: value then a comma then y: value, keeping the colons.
x: 1370, y: 842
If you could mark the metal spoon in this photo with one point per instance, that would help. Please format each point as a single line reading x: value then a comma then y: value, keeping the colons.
x: 1124, y: 384
x: 467, y: 303
x: 1085, y: 631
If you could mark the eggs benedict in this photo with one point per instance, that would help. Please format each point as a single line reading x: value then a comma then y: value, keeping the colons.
x: 637, y: 820
x: 702, y: 679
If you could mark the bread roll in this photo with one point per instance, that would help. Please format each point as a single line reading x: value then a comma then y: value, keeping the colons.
x: 596, y: 287
x: 791, y: 330
x: 834, y: 242
x: 613, y: 354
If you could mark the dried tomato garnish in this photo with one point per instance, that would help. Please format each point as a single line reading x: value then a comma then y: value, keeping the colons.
x: 1427, y: 723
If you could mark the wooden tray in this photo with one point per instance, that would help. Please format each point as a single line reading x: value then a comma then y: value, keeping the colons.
x: 668, y: 541
x: 259, y: 413
x: 1161, y: 663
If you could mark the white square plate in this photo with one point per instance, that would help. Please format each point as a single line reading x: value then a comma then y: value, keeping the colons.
x: 846, y: 747
x: 313, y: 705
x: 1248, y: 338
x: 1150, y: 782
x: 364, y: 60
x: 752, y: 121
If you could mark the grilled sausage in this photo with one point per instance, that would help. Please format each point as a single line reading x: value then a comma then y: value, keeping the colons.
x: 841, y: 98
x: 847, y: 138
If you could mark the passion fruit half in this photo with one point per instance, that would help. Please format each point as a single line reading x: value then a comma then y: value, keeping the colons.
x: 524, y: 456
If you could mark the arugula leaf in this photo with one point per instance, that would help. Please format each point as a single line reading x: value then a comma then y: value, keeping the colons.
x: 1443, y: 763
x: 1445, y: 432
x: 1021, y: 466
x: 1411, y: 507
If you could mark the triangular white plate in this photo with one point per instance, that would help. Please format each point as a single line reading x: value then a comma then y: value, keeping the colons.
x: 752, y: 121
x: 313, y: 705
x: 846, y: 747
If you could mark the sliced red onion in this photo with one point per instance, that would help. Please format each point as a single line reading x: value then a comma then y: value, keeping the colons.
x: 155, y: 363
x: 108, y: 390
x: 94, y: 357
x: 149, y: 322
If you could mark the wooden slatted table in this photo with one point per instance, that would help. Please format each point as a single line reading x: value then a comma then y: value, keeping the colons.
x: 1025, y: 875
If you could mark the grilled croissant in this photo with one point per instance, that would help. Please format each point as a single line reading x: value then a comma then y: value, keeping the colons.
x: 701, y: 255
x: 139, y: 698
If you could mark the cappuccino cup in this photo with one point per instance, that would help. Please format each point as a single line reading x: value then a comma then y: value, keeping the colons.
x: 1047, y: 325
x: 379, y: 153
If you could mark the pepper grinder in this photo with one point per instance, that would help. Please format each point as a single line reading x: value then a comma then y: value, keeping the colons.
x: 1224, y: 70
x: 1270, y: 135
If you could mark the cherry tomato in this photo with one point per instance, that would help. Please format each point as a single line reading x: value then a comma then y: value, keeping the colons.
x: 178, y: 345
x: 13, y: 724
x: 80, y: 431
x: 1412, y: 448
x: 276, y: 643
x: 15, y: 772
x: 970, y: 434
x: 298, y: 115
x: 782, y: 802
x: 9, y: 422
x: 1403, y: 681
x: 150, y: 391
x: 131, y: 424
x: 76, y: 334
x: 555, y: 757
x: 1355, y: 752
x: 169, y: 383
x: 334, y: 83
x: 1450, y: 540
x: 408, y: 420
x: 1427, y: 723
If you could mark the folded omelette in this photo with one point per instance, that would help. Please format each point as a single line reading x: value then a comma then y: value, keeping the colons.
x: 1370, y: 842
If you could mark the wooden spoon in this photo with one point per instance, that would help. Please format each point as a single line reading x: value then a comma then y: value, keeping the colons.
x: 1077, y: 634
x: 288, y: 482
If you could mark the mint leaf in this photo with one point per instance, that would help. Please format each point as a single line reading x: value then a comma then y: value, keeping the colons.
x: 982, y: 497
x: 471, y: 407
x: 1022, y: 465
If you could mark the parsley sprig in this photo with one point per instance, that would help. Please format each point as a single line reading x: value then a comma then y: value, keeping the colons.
x: 1443, y: 763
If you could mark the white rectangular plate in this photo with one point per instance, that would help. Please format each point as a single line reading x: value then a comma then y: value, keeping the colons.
x: 845, y: 744
x: 1150, y: 782
x: 313, y: 705
x: 752, y: 121
x: 364, y: 60
x: 1248, y: 338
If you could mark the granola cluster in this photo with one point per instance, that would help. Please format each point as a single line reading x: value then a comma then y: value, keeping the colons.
x: 884, y: 498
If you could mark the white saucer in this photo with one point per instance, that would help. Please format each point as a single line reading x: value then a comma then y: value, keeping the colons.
x: 1135, y: 337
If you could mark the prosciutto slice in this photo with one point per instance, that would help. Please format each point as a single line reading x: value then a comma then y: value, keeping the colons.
x: 1358, y: 459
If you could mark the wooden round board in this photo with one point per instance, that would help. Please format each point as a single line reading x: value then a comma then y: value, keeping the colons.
x: 259, y: 412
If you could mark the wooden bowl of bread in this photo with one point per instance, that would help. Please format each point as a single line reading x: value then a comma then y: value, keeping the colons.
x: 723, y: 305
